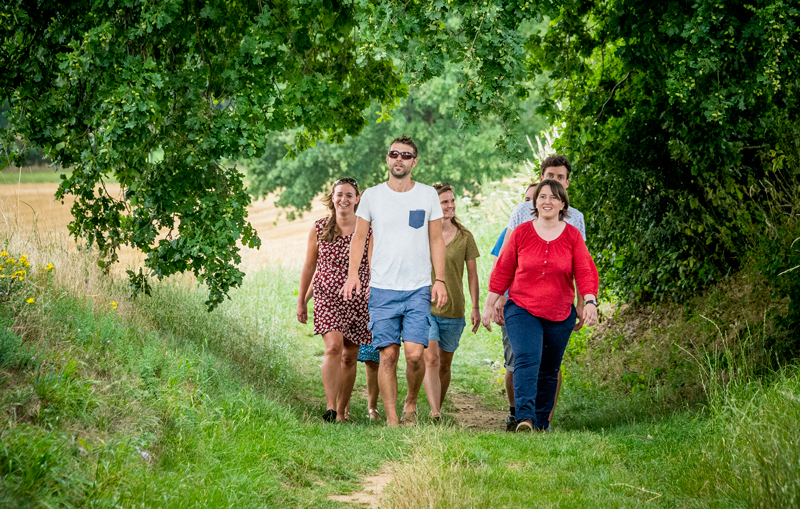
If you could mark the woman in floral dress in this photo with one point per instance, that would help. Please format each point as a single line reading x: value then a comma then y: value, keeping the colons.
x: 342, y: 324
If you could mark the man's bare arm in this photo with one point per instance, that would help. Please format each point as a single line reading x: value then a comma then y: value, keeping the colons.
x: 438, y: 291
x: 353, y: 286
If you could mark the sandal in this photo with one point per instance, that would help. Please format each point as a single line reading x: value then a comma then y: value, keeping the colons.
x: 373, y: 414
x: 409, y: 419
x: 329, y: 415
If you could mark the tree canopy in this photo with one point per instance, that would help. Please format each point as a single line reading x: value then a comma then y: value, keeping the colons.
x: 683, y: 124
x: 446, y: 152
x: 681, y: 117
x: 103, y: 85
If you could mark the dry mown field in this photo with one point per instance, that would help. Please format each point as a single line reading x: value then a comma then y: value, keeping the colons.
x: 28, y: 205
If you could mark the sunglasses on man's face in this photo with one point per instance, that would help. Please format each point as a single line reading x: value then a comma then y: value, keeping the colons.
x: 405, y: 155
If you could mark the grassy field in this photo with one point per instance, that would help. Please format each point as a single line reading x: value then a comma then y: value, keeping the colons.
x: 32, y: 175
x: 111, y: 402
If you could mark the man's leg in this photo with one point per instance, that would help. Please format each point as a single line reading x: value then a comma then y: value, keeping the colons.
x: 372, y: 385
x: 387, y: 382
x: 432, y: 383
x: 445, y: 360
x: 349, y: 361
x: 558, y: 391
x: 415, y: 372
x: 508, y: 357
x: 332, y: 367
x: 510, y: 387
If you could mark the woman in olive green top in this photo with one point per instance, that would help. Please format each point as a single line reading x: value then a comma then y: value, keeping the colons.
x: 447, y: 323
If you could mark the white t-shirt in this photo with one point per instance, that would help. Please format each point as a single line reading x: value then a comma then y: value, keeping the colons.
x: 522, y: 214
x: 401, y: 256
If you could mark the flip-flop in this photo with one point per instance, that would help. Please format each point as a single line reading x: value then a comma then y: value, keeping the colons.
x: 409, y: 419
x: 373, y: 414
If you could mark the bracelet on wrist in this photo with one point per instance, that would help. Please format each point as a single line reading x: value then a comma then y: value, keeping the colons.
x: 590, y: 301
x: 439, y: 280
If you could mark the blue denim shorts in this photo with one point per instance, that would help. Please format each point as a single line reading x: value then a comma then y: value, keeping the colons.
x: 447, y: 331
x: 394, y: 314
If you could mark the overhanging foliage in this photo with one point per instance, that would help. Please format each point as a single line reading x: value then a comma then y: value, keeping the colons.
x: 104, y: 85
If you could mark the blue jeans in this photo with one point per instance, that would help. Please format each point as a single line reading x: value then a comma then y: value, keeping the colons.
x: 538, y: 346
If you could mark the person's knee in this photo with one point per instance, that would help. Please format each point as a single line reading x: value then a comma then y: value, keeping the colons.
x: 349, y: 360
x: 414, y: 357
x: 432, y: 360
x: 389, y: 357
x: 333, y: 349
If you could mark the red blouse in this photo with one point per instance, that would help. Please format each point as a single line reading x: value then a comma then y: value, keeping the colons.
x: 538, y: 274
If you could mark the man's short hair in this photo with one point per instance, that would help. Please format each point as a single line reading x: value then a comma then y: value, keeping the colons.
x: 405, y: 140
x: 556, y: 160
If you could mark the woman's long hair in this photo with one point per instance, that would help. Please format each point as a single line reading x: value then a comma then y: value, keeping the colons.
x: 443, y: 188
x: 331, y: 230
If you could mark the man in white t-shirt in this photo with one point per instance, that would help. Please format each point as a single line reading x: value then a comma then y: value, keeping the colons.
x: 557, y: 168
x: 406, y: 221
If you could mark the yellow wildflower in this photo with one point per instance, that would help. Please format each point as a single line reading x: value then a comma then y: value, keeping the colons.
x: 114, y: 305
x: 4, y: 253
x: 30, y: 301
x: 49, y: 266
x: 11, y: 261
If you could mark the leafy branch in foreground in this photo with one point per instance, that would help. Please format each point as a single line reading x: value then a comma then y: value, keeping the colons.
x: 158, y: 94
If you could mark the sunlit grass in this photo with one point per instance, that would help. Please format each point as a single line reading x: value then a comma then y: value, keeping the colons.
x: 154, y: 402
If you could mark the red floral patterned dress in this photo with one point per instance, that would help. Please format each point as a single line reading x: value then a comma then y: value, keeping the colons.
x: 331, y: 311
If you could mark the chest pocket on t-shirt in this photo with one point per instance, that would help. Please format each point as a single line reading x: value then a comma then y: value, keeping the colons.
x: 416, y: 218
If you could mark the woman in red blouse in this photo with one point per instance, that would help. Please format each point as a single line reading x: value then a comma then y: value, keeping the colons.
x: 538, y: 267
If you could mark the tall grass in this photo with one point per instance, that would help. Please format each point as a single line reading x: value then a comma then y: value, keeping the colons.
x: 155, y: 402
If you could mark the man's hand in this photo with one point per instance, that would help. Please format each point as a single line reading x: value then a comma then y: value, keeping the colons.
x: 487, y: 317
x: 498, y: 317
x: 590, y: 314
x: 302, y: 312
x: 439, y: 294
x: 475, y: 318
x: 579, y: 325
x: 351, y: 288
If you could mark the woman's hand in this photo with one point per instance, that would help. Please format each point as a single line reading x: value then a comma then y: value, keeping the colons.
x: 499, y: 304
x: 302, y: 311
x: 438, y: 294
x: 487, y: 316
x: 589, y: 314
x: 475, y: 318
x: 489, y: 311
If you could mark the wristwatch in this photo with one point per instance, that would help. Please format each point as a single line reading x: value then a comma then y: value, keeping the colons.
x: 590, y: 301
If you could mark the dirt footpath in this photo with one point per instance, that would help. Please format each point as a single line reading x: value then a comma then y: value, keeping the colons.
x: 283, y: 241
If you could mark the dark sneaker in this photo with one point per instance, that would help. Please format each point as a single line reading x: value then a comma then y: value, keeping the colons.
x: 524, y: 425
x: 329, y: 415
x: 511, y: 423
